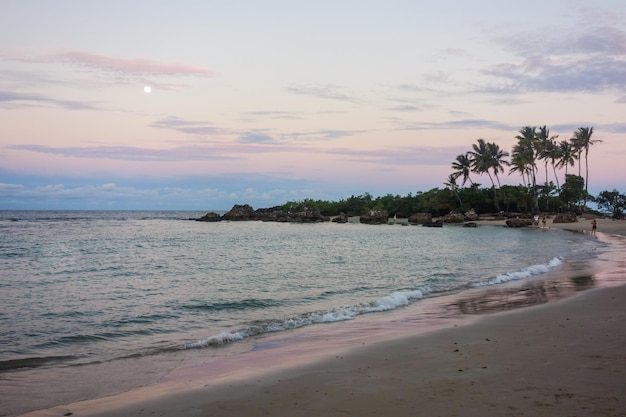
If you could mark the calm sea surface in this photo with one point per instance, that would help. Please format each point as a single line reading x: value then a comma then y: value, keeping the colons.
x: 84, y: 287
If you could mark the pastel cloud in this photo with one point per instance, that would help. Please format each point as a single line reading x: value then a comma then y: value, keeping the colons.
x: 591, y: 60
x: 119, y: 65
x: 23, y: 99
x: 328, y: 91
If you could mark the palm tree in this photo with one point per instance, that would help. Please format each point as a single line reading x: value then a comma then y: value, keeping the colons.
x: 497, y: 162
x: 567, y: 155
x: 525, y: 158
x: 545, y: 147
x: 480, y: 159
x: 486, y: 157
x: 452, y: 184
x: 463, y: 167
x: 582, y: 137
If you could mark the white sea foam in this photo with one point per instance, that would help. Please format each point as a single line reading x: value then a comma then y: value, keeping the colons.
x: 390, y: 302
x: 525, y: 273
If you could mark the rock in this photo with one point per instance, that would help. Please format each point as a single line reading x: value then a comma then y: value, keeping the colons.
x: 471, y: 216
x: 342, y: 218
x: 240, y: 212
x: 567, y: 217
x: 296, y: 214
x: 210, y: 217
x: 420, y: 218
x: 375, y: 217
x: 305, y: 214
x: 454, y: 218
x: 470, y: 224
x: 272, y: 214
x: 519, y: 222
x: 437, y: 223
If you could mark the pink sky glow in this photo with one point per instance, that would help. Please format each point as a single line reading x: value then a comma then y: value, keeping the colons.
x: 265, y: 103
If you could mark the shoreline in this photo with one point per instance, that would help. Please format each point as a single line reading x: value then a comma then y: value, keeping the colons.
x: 427, y: 372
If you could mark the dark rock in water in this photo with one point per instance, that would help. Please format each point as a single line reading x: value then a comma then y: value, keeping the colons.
x: 519, y: 222
x: 375, y: 217
x: 454, y: 218
x: 297, y: 214
x: 240, y: 212
x: 272, y: 214
x: 210, y: 217
x: 437, y: 223
x: 470, y: 224
x: 342, y: 218
x: 568, y: 217
x: 420, y: 218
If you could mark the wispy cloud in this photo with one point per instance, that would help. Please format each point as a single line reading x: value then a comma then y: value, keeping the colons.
x: 251, y: 137
x: 23, y: 99
x: 587, y: 59
x: 329, y: 91
x: 458, y: 124
x: 120, y: 65
x: 187, y: 126
x: 131, y: 153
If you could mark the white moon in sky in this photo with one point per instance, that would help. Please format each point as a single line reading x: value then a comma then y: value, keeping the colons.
x: 147, y: 89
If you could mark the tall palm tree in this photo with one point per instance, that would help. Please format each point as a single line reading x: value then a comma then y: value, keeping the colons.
x: 545, y: 147
x: 525, y: 158
x: 497, y: 162
x: 463, y: 167
x: 555, y: 157
x: 582, y: 137
x: 480, y: 159
x: 567, y: 155
x: 486, y: 157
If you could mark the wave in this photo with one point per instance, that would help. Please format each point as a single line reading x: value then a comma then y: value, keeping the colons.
x: 32, y: 362
x: 525, y: 273
x: 389, y: 302
x: 246, y: 304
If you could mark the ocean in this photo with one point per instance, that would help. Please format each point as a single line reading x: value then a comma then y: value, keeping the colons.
x: 108, y: 300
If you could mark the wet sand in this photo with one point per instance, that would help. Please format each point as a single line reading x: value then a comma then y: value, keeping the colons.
x: 474, y: 355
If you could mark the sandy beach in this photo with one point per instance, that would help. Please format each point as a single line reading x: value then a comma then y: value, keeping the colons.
x: 560, y: 358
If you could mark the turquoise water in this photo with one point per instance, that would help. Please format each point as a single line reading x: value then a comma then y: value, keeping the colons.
x: 81, y: 288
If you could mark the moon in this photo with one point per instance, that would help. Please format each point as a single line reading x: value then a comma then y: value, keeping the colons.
x: 147, y: 89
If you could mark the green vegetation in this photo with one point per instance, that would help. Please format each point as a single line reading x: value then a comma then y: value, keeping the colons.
x: 534, y: 146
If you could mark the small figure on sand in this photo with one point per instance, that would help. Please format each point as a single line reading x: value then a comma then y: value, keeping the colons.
x: 543, y: 222
x: 536, y: 220
x: 594, y: 226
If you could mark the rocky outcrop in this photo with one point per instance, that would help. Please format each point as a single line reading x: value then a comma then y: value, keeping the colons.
x: 305, y: 214
x: 298, y: 214
x: 375, y: 217
x: 453, y: 218
x: 210, y: 217
x: 239, y: 213
x: 420, y: 218
x: 519, y: 222
x: 567, y: 217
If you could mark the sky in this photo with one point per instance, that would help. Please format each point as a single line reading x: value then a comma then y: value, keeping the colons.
x: 264, y: 102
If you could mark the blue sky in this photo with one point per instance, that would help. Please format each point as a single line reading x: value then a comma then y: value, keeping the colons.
x: 264, y: 102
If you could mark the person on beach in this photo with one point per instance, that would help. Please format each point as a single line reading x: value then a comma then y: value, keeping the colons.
x: 536, y: 220
x: 594, y: 226
x: 543, y: 222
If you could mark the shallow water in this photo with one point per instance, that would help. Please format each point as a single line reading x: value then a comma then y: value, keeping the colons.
x: 90, y: 290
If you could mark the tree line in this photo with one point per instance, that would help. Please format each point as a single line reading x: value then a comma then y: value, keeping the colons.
x: 535, y: 154
x: 535, y: 145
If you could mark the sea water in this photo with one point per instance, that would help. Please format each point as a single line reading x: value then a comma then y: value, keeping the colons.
x: 92, y: 287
